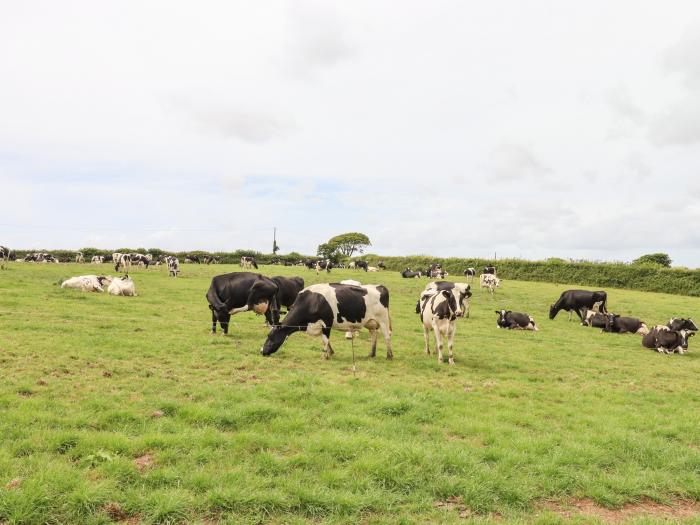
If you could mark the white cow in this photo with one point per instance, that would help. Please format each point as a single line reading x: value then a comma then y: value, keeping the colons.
x: 490, y: 281
x: 122, y: 286
x: 87, y: 283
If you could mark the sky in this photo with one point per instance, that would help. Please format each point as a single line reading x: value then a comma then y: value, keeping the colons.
x: 526, y: 129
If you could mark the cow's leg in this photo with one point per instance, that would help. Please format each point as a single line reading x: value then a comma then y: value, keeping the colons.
x: 450, y: 341
x: 580, y: 312
x: 385, y: 327
x: 438, y: 341
x: 373, y: 339
x: 327, y: 349
x: 426, y: 337
x: 224, y: 318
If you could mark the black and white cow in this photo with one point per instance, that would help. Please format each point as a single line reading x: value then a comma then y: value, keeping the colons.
x: 123, y: 260
x: 322, y: 307
x: 618, y: 324
x: 515, y: 320
x: 97, y: 259
x: 381, y: 265
x: 410, y: 274
x: 323, y: 264
x: 490, y: 282
x: 577, y: 301
x: 237, y: 292
x: 140, y: 260
x: 4, y: 257
x: 173, y: 266
x: 288, y: 290
x: 679, y: 323
x: 489, y: 269
x: 594, y: 319
x: 663, y: 340
x: 471, y: 273
x: 248, y: 262
x: 461, y: 291
x: 361, y: 265
x: 439, y: 311
x: 79, y: 258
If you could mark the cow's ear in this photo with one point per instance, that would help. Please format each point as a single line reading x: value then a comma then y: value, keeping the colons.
x: 445, y: 293
x: 498, y: 312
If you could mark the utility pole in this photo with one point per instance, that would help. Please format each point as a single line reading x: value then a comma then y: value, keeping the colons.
x: 274, y: 241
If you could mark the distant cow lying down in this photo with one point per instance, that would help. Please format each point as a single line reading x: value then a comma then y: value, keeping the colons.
x: 667, y: 341
x: 87, y: 283
x: 515, y: 320
x: 122, y: 286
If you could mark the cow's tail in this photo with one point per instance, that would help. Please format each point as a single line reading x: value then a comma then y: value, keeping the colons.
x: 215, y: 301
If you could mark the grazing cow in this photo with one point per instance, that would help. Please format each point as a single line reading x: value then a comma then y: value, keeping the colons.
x: 409, y: 274
x: 122, y: 286
x: 439, y: 312
x: 140, y: 259
x: 4, y: 257
x: 489, y: 281
x: 489, y: 269
x: 461, y: 291
x: 679, y: 323
x: 173, y: 266
x: 210, y: 259
x: 381, y: 265
x: 323, y: 265
x: 79, y: 258
x: 622, y: 325
x: 577, y: 301
x: 87, y: 283
x: 361, y: 265
x: 97, y: 259
x: 123, y: 261
x: 515, y: 321
x: 471, y: 273
x: 248, y: 262
x: 663, y: 340
x: 236, y: 292
x: 321, y: 307
x: 351, y: 266
x: 287, y: 290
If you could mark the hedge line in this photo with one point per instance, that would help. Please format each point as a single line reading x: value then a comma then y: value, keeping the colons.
x: 678, y: 281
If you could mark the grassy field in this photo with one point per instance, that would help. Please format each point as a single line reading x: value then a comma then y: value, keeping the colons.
x: 127, y: 409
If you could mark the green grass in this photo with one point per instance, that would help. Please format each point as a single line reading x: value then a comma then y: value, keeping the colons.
x: 522, y: 418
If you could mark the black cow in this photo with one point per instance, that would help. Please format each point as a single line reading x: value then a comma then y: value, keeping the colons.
x: 663, y: 340
x: 346, y: 307
x: 515, y: 320
x: 577, y: 300
x: 236, y: 292
x: 678, y: 323
x: 470, y: 272
x: 622, y: 325
x: 489, y: 269
x: 381, y: 265
x: 288, y: 289
x: 361, y: 265
x: 410, y: 274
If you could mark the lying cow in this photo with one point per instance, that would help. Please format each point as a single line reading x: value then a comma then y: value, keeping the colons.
x: 439, y: 311
x: 577, y: 301
x: 667, y: 341
x: 489, y: 281
x: 87, y: 283
x: 236, y: 292
x: 679, y: 323
x: 515, y: 320
x: 372, y: 269
x: 410, y: 274
x: 594, y: 319
x: 621, y: 325
x: 322, y: 307
x: 122, y: 286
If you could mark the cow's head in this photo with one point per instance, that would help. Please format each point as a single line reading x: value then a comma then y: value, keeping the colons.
x: 685, y: 335
x: 275, y: 338
x: 553, y: 311
x: 682, y: 324
x: 501, y: 317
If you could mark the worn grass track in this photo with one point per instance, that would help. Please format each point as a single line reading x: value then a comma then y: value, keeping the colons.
x: 117, y: 408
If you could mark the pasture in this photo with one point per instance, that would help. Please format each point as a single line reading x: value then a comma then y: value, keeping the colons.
x: 127, y: 409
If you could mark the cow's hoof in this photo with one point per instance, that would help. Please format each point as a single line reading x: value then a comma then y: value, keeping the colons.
x: 390, y: 356
x: 452, y: 361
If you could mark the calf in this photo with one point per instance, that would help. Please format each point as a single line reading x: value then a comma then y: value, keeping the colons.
x: 515, y: 320
x: 577, y: 301
x: 663, y: 340
x: 87, y: 283
x: 622, y: 325
x: 439, y: 312
x: 237, y: 292
x: 122, y: 286
x: 322, y: 307
x: 489, y: 281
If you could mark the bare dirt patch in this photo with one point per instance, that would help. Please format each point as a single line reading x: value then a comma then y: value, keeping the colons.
x: 145, y: 462
x: 114, y: 511
x: 587, y: 507
x: 13, y: 483
x: 454, y: 503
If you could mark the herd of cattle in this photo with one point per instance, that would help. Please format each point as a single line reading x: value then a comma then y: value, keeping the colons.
x: 349, y: 306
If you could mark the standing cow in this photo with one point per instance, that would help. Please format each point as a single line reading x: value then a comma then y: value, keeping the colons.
x: 577, y: 301
x: 288, y: 289
x: 489, y: 281
x: 322, y: 307
x: 237, y: 292
x: 439, y: 311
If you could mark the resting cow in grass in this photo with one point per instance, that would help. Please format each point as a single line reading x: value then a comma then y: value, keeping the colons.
x: 667, y: 341
x: 624, y: 325
x: 87, y: 283
x: 236, y: 292
x: 322, y: 307
x: 679, y: 323
x: 515, y: 320
x: 122, y: 286
x: 577, y: 301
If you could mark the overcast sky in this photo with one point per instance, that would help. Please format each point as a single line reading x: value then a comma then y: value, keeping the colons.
x: 530, y: 129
